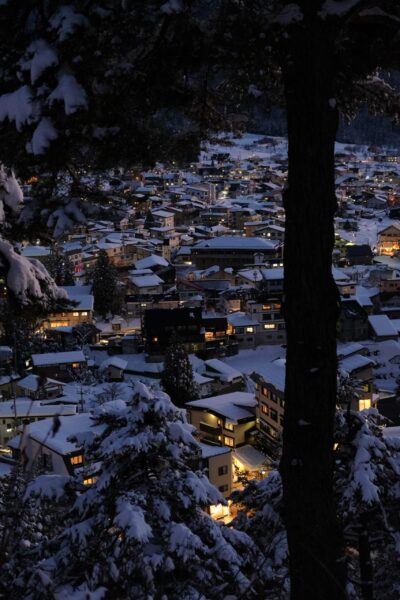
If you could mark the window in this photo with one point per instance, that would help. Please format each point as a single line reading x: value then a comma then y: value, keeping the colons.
x: 75, y: 314
x: 265, y: 391
x: 89, y: 481
x: 75, y: 365
x: 223, y: 488
x: 84, y: 313
x: 76, y: 460
x: 273, y: 414
x: 229, y: 426
x: 228, y: 441
x: 249, y: 329
x: 269, y: 325
x: 223, y: 470
x: 264, y: 409
x: 267, y: 317
x: 364, y: 404
x: 266, y: 306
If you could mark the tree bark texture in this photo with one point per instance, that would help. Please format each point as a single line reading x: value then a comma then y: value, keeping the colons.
x: 311, y: 306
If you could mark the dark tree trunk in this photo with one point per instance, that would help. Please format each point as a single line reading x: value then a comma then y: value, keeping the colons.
x: 366, y: 569
x: 311, y: 308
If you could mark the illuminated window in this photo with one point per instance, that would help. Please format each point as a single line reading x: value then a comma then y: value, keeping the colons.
x: 267, y: 306
x: 364, y: 404
x: 228, y: 441
x: 229, y: 426
x: 76, y: 460
x: 269, y: 326
x: 155, y: 339
x: 249, y: 329
x: 75, y: 314
x: 75, y: 365
x: 90, y: 481
x: 264, y: 409
x: 84, y: 314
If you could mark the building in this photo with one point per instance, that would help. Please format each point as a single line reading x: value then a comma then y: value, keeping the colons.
x: 352, y: 324
x: 56, y: 453
x: 224, y: 420
x: 216, y: 461
x: 160, y: 324
x: 381, y: 328
x: 17, y: 412
x: 270, y: 395
x: 59, y: 365
x: 389, y: 240
x: 235, y: 252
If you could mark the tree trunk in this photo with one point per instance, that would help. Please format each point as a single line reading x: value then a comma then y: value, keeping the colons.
x: 366, y: 569
x: 311, y: 306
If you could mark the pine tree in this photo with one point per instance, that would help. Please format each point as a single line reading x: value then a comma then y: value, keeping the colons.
x: 140, y: 530
x: 59, y: 267
x: 177, y: 376
x: 149, y: 220
x: 107, y: 298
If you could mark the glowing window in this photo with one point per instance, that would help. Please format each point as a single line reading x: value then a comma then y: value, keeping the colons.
x: 76, y: 460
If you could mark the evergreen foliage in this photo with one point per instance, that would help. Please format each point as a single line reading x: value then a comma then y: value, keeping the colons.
x: 59, y: 267
x: 107, y: 298
x: 177, y: 377
x: 140, y: 530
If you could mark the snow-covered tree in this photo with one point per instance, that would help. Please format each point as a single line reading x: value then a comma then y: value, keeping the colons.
x: 177, y: 376
x: 59, y: 266
x: 107, y: 297
x: 367, y: 476
x: 141, y: 531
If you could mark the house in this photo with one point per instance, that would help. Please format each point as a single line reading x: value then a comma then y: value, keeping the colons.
x: 40, y: 388
x: 56, y: 453
x: 113, y: 368
x: 358, y: 254
x: 389, y: 240
x: 224, y: 420
x: 216, y: 461
x: 250, y: 462
x: 234, y: 251
x: 267, y: 310
x: 244, y: 328
x: 352, y: 324
x: 160, y: 324
x: 59, y: 365
x: 14, y: 413
x: 381, y: 328
x: 226, y: 378
x: 144, y: 282
x: 80, y: 311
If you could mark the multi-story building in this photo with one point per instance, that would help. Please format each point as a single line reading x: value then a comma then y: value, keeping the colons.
x: 224, y: 420
x: 234, y: 251
x: 270, y: 395
x: 389, y: 240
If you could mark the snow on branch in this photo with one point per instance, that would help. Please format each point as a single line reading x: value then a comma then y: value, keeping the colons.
x: 10, y: 192
x: 28, y: 279
x: 19, y: 106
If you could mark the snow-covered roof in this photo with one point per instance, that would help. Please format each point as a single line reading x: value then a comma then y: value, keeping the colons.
x: 226, y: 372
x: 114, y: 361
x: 145, y: 280
x: 30, y: 382
x: 275, y: 273
x: 234, y: 406
x: 274, y: 373
x: 208, y: 450
x: 151, y: 261
x: 382, y: 325
x: 56, y: 358
x: 70, y: 426
x: 33, y: 408
x: 35, y: 251
x: 227, y: 242
x: 355, y: 362
x: 250, y: 457
x: 240, y: 319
